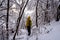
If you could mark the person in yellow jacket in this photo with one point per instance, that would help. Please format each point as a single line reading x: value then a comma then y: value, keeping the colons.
x: 28, y: 25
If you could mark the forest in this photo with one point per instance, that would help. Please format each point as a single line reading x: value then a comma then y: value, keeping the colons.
x: 29, y: 19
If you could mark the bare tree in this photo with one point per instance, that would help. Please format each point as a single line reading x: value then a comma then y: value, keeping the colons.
x: 37, y: 17
x: 37, y: 13
x: 7, y: 18
x: 46, y: 13
x: 19, y: 19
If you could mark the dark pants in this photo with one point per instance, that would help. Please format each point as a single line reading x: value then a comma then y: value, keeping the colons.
x: 29, y: 30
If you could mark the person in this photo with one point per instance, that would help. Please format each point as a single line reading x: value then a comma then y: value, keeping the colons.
x: 28, y: 25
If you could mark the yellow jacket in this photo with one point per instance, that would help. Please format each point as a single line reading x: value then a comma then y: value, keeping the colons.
x: 28, y: 22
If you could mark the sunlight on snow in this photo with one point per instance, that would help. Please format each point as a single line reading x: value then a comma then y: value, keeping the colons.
x: 14, y: 10
x: 19, y: 1
x: 29, y: 12
x: 29, y: 0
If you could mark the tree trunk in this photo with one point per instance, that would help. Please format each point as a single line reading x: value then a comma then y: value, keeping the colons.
x: 46, y: 14
x: 7, y: 18
x: 37, y: 13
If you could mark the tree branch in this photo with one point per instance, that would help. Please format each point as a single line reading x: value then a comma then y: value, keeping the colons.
x: 2, y: 16
x: 2, y: 23
x: 19, y: 19
x: 1, y: 3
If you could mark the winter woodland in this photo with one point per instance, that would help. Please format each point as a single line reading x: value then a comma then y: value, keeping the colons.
x: 45, y: 15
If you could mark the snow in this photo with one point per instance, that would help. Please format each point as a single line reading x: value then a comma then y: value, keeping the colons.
x: 52, y: 32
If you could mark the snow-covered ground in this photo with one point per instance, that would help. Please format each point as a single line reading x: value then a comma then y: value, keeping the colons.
x: 47, y: 32
x: 54, y: 33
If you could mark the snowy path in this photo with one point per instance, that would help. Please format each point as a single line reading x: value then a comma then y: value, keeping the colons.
x: 54, y: 34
